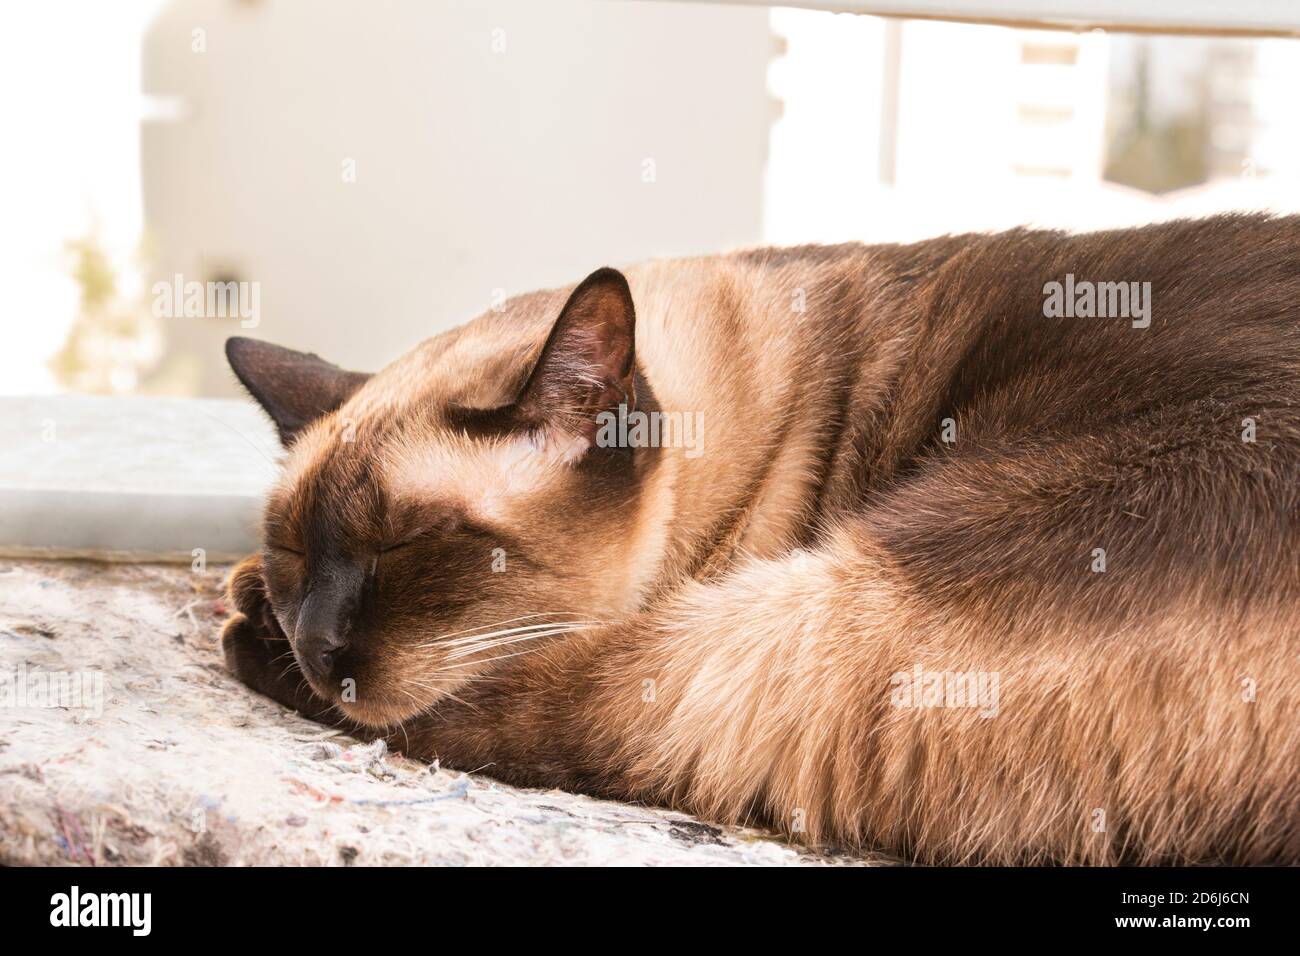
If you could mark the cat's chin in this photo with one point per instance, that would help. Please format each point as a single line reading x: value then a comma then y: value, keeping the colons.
x: 384, y: 716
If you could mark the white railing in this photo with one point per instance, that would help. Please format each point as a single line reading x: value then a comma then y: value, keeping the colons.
x: 1218, y: 17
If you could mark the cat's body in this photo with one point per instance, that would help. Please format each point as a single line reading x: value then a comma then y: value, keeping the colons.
x: 908, y: 474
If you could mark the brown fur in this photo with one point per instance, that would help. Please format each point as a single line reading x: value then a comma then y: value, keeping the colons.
x: 754, y: 602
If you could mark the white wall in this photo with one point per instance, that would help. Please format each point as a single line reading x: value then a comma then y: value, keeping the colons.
x: 477, y: 169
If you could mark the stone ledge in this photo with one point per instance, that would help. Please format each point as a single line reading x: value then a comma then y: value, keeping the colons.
x: 131, y: 478
x: 183, y: 765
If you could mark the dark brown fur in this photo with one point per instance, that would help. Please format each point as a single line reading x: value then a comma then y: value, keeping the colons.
x: 756, y: 601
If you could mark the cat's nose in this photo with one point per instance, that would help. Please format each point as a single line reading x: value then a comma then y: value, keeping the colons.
x: 318, y: 651
x: 324, y: 622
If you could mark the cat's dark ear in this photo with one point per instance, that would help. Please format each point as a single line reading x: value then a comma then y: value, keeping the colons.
x: 295, y: 388
x: 586, y: 366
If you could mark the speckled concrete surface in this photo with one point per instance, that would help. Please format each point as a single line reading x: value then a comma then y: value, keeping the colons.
x: 173, y: 762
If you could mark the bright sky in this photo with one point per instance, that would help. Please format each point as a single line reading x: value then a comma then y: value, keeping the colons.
x: 69, y: 82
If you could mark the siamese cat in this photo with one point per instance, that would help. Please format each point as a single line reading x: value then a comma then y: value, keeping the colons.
x: 946, y: 569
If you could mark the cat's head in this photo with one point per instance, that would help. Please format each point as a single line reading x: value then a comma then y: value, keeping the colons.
x: 453, y: 507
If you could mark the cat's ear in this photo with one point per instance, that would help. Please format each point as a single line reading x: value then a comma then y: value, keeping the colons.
x: 294, y: 388
x: 586, y: 366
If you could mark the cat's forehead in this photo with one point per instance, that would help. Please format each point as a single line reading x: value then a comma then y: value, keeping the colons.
x: 415, y: 456
x: 488, y: 479
x: 399, y: 429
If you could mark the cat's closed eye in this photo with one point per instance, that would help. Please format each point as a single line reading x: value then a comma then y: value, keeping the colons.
x: 405, y: 542
x: 405, y: 531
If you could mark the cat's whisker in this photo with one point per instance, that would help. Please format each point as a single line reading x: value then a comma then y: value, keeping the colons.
x: 478, y: 649
x: 490, y: 635
x: 467, y: 679
x: 475, y: 638
x: 406, y: 737
x: 424, y: 685
x: 459, y: 700
x: 489, y: 645
x: 492, y: 645
x: 479, y: 627
x: 443, y: 692
x: 501, y: 657
x: 440, y: 642
x: 442, y: 638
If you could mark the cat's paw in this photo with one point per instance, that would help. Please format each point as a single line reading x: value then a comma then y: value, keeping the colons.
x: 256, y: 650
x: 250, y: 638
x: 250, y: 653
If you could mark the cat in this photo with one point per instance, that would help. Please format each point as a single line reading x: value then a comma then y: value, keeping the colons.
x: 952, y: 574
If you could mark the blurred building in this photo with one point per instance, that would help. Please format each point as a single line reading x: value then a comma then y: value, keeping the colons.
x: 382, y: 171
x: 386, y: 171
x: 960, y: 126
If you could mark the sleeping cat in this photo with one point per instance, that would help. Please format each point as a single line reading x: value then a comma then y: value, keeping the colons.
x: 945, y: 572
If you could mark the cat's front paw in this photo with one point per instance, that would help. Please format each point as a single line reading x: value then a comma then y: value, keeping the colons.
x: 251, y: 639
x: 256, y: 650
